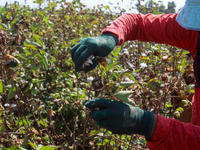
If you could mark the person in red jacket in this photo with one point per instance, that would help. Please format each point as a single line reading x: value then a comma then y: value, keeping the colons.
x: 180, y: 30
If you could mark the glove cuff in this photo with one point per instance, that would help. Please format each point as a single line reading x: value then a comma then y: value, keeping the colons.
x: 148, y: 123
x: 112, y: 36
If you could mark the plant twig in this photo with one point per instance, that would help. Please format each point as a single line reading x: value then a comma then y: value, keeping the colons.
x: 43, y: 122
x: 61, y: 115
x: 6, y: 133
x: 84, y: 131
x: 16, y: 106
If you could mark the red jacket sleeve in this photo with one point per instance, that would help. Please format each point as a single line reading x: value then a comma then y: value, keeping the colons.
x: 154, y: 28
x: 169, y: 133
x: 172, y: 134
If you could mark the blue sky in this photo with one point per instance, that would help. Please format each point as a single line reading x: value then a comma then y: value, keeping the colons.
x: 91, y: 3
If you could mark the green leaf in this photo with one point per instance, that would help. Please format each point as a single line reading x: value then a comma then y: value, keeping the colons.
x: 45, y: 61
x: 25, y: 141
x: 21, y: 56
x: 27, y: 52
x: 144, y: 57
x: 33, y: 145
x: 39, y: 146
x: 50, y: 23
x: 169, y: 106
x: 5, y: 8
x: 43, y: 123
x: 93, y: 132
x: 33, y: 27
x: 3, y: 26
x: 38, y: 39
x: 31, y: 44
x: 185, y: 52
x: 38, y: 2
x: 123, y: 96
x: 180, y: 109
x: 49, y: 147
x: 3, y: 128
x: 116, y: 51
x: 43, y: 52
x: 112, y: 142
x: 46, y: 18
x: 126, y: 84
x: 190, y: 88
x: 34, y: 68
x: 186, y: 102
x: 46, y: 138
x: 110, y: 64
x: 183, y: 62
x: 1, y: 87
x: 137, y: 79
x: 12, y: 91
x: 154, y: 84
x: 15, y: 148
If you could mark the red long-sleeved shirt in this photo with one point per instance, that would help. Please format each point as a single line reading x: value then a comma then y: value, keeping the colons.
x: 169, y: 133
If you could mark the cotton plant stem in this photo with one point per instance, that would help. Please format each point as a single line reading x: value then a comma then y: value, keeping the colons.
x: 7, y: 133
x: 29, y: 106
x: 123, y: 56
x: 51, y: 121
x: 84, y: 132
x: 43, y: 123
x: 62, y: 116
x: 130, y: 140
x: 74, y: 134
x: 167, y: 92
x: 87, y: 119
x: 18, y: 93
x: 35, y: 121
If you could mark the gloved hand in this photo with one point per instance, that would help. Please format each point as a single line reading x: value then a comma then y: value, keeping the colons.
x: 96, y: 46
x: 121, y: 118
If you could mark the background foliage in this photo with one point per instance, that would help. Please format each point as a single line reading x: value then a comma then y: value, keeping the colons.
x: 42, y: 97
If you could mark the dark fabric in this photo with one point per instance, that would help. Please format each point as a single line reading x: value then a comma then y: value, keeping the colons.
x: 121, y: 118
x: 96, y: 46
x: 197, y: 63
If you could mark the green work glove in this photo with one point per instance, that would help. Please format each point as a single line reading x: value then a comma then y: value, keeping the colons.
x: 121, y: 118
x: 96, y: 46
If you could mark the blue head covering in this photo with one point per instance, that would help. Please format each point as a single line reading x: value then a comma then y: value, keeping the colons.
x: 189, y: 16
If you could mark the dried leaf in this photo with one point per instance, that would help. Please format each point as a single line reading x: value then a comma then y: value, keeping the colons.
x: 105, y: 62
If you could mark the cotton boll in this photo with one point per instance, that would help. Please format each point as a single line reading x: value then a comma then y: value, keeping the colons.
x: 13, y: 105
x: 143, y: 54
x: 143, y: 65
x: 151, y: 110
x: 90, y: 79
x: 128, y: 80
x: 6, y: 105
x: 126, y: 52
x: 88, y: 62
